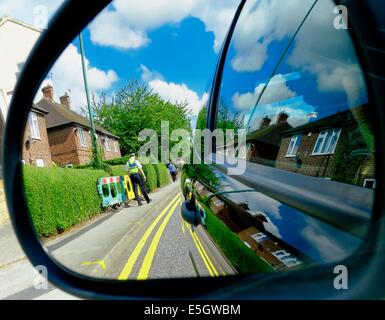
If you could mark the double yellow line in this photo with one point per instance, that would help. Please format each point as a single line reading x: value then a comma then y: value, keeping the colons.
x: 147, y: 262
x: 202, y: 252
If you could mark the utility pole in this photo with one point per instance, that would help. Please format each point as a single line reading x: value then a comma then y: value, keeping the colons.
x: 93, y: 133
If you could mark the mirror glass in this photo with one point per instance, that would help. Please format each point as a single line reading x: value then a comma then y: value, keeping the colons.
x: 138, y: 73
x: 108, y: 167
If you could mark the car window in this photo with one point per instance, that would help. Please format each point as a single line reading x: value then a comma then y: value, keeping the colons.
x: 312, y: 115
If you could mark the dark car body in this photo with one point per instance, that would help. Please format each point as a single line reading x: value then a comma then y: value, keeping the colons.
x: 306, y: 196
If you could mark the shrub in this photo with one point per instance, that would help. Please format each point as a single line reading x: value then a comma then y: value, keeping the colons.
x: 162, y: 174
x: 59, y: 198
x: 117, y: 161
x: 150, y: 172
x: 119, y: 170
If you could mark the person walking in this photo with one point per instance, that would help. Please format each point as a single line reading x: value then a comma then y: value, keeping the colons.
x: 133, y: 167
x: 172, y: 170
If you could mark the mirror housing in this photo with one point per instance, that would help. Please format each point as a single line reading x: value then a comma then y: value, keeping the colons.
x: 190, y: 214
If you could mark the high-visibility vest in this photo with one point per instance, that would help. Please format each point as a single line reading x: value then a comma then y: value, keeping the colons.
x: 132, y: 167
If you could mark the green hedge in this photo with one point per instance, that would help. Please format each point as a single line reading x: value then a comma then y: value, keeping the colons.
x: 241, y: 257
x: 117, y: 161
x: 162, y: 174
x: 151, y: 182
x: 119, y: 170
x: 59, y: 198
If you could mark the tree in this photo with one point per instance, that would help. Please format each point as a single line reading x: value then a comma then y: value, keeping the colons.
x: 136, y: 107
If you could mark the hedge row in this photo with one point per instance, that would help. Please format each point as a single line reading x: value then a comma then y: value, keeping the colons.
x: 117, y: 161
x: 162, y: 174
x: 151, y: 181
x: 241, y: 257
x: 59, y: 198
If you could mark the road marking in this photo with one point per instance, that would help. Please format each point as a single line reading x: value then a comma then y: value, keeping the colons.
x: 101, y: 263
x: 139, y: 247
x: 209, y: 265
x: 182, y: 223
x: 147, y: 262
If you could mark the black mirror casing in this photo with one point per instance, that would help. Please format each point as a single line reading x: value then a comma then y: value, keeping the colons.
x: 190, y: 214
x: 366, y: 278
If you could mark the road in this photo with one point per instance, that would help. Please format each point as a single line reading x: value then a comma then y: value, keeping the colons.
x: 147, y: 242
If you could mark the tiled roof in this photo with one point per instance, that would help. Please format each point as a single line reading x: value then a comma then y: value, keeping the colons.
x: 59, y: 115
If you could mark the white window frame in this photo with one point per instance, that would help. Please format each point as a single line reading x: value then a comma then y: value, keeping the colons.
x: 115, y: 145
x: 40, y: 163
x: 370, y: 180
x: 259, y: 237
x: 106, y: 144
x: 33, y: 122
x: 82, y: 138
x: 335, y: 132
x: 292, y: 150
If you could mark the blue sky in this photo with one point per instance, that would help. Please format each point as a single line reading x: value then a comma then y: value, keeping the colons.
x: 171, y: 45
x: 181, y: 53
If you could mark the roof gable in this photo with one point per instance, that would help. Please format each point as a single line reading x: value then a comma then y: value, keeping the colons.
x: 59, y: 115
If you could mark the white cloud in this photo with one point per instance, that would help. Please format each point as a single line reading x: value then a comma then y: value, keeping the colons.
x: 125, y: 24
x: 34, y: 12
x: 67, y: 77
x: 261, y: 23
x: 173, y: 92
x: 330, y: 244
x: 277, y: 90
x: 111, y: 29
x: 177, y: 93
x: 147, y: 75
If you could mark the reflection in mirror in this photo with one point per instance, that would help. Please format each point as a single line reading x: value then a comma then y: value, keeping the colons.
x: 293, y: 83
x: 301, y: 97
x: 97, y: 206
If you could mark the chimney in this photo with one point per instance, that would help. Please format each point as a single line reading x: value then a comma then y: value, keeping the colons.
x: 264, y: 122
x: 282, y: 117
x: 48, y: 92
x: 66, y: 100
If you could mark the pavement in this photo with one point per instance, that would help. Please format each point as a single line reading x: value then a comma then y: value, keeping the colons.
x: 151, y: 241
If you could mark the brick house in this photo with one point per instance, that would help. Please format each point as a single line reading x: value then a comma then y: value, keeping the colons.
x: 263, y: 144
x: 69, y: 133
x: 279, y: 257
x: 36, y: 149
x: 335, y: 148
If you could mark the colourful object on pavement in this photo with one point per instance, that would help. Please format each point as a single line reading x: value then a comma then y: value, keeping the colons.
x: 129, y: 188
x: 112, y: 191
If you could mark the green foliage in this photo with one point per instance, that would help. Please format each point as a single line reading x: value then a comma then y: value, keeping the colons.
x: 150, y: 172
x: 241, y: 257
x: 162, y: 174
x: 59, y: 198
x: 97, y: 159
x: 119, y: 170
x: 134, y: 108
x: 354, y: 151
x: 202, y: 172
x: 117, y: 161
x: 201, y: 119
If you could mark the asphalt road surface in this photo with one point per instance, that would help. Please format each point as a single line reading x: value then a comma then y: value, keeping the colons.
x: 147, y: 242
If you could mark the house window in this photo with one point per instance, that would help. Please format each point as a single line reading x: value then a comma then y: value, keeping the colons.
x: 295, y: 141
x: 115, y: 146
x: 326, y: 142
x: 34, y: 125
x: 39, y: 163
x: 370, y: 183
x: 106, y: 144
x: 259, y: 236
x: 81, y: 137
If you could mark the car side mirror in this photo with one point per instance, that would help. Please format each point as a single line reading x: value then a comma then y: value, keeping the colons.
x: 190, y: 214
